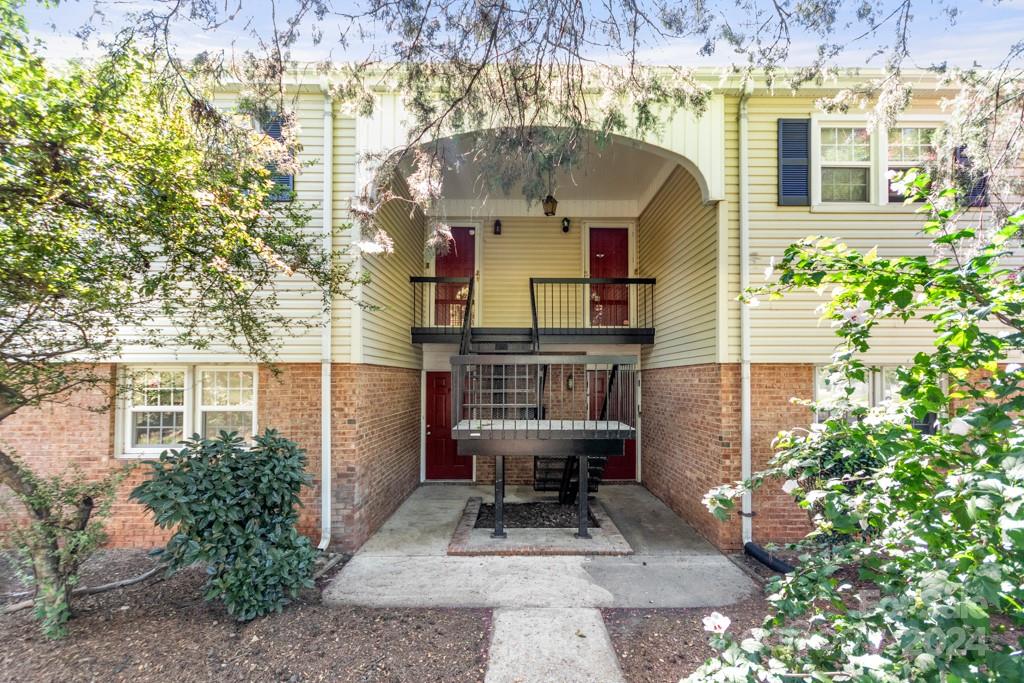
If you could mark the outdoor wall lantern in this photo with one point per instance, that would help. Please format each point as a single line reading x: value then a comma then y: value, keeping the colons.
x: 550, y: 205
x: 565, y: 224
x: 497, y: 227
x: 569, y: 383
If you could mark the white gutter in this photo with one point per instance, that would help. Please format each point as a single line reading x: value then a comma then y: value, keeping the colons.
x: 325, y: 333
x: 745, y: 431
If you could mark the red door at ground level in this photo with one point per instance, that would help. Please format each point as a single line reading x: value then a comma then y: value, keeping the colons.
x: 609, y: 257
x: 617, y: 467
x: 460, y: 261
x: 443, y: 460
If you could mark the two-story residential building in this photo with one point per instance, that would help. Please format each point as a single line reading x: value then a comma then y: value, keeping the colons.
x: 619, y: 308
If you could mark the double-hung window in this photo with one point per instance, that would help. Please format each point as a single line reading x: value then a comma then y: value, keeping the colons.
x: 908, y: 147
x: 852, y: 160
x: 845, y: 164
x: 163, y: 405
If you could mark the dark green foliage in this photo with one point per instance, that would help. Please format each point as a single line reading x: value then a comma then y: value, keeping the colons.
x: 235, y: 509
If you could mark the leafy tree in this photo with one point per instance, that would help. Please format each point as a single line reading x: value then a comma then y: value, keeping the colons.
x: 913, y: 569
x: 126, y: 200
x: 550, y: 80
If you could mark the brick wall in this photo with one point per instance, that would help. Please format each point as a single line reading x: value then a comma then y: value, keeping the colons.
x: 777, y: 518
x: 289, y: 401
x: 691, y: 442
x: 375, y: 446
x: 80, y: 433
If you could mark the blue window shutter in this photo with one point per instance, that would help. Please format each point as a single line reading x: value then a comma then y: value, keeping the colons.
x: 284, y: 187
x: 794, y: 162
x: 977, y: 185
x: 272, y: 126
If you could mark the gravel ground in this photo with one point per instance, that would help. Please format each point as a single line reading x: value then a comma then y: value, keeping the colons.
x: 664, y: 645
x: 163, y: 630
x: 533, y: 516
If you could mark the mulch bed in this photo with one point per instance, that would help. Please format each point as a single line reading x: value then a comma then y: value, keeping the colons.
x: 164, y: 630
x: 664, y: 645
x: 533, y: 516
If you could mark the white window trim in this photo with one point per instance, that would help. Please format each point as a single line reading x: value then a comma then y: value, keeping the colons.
x: 199, y: 408
x: 878, y: 190
x: 192, y: 408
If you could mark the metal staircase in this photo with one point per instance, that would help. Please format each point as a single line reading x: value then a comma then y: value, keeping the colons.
x: 511, y: 400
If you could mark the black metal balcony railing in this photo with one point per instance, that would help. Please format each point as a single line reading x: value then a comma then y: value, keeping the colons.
x: 528, y: 401
x: 441, y: 306
x: 622, y: 308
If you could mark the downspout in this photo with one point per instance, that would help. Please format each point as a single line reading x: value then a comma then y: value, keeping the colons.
x: 745, y: 437
x: 325, y: 333
x: 746, y: 467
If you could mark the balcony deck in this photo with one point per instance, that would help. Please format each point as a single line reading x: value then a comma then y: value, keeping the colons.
x: 563, y: 311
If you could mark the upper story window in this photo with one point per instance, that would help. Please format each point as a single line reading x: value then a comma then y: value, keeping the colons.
x: 852, y: 160
x: 908, y: 147
x: 165, y: 405
x: 845, y: 164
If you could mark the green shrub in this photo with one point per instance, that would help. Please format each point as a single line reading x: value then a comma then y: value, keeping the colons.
x: 235, y: 510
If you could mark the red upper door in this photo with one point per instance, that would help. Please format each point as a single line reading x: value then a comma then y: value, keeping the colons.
x: 609, y: 257
x: 443, y: 460
x: 460, y: 261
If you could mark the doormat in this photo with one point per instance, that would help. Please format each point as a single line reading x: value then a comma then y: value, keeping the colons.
x: 469, y: 539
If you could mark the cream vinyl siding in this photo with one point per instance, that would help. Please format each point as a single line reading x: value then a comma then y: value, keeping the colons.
x: 526, y: 247
x: 678, y: 245
x: 297, y: 296
x: 343, y: 187
x: 789, y: 330
x: 387, y: 328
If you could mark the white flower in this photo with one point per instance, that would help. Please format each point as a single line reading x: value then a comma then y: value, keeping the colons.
x: 770, y: 270
x: 371, y: 247
x: 816, y: 642
x: 1012, y: 368
x: 716, y: 623
x: 869, y: 661
x: 959, y: 426
x: 754, y: 302
x: 790, y: 486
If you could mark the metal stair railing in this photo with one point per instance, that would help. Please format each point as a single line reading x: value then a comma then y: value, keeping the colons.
x: 467, y: 321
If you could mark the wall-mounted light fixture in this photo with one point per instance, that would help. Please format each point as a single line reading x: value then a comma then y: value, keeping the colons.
x: 569, y: 383
x: 565, y: 224
x: 497, y: 227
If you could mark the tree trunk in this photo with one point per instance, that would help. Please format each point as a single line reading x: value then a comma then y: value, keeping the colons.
x: 53, y: 594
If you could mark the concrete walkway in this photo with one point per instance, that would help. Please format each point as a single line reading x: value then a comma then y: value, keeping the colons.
x: 546, y: 607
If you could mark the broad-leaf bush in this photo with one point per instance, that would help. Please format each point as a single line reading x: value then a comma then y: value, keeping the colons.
x: 915, y: 567
x: 235, y: 510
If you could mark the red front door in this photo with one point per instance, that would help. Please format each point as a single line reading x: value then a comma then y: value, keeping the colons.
x: 609, y: 257
x: 617, y: 467
x: 443, y: 460
x: 460, y: 261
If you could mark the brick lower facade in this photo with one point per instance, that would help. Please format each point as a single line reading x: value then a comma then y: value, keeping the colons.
x: 375, y: 445
x: 690, y: 442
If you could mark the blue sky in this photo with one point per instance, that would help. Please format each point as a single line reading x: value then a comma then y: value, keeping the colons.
x: 982, y: 34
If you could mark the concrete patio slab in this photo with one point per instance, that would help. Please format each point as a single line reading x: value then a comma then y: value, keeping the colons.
x: 565, y: 645
x: 405, y: 564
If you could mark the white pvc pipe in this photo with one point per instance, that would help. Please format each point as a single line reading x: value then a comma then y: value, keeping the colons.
x: 745, y: 431
x: 325, y: 333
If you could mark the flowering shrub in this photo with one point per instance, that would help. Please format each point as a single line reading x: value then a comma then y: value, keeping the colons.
x: 915, y: 567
